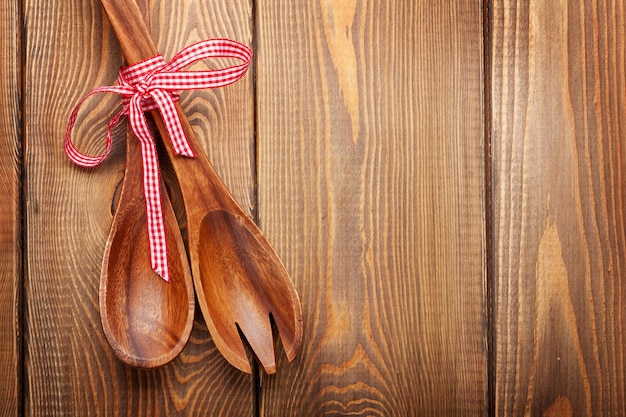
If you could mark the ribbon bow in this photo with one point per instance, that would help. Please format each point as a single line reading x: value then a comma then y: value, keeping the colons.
x: 154, y: 84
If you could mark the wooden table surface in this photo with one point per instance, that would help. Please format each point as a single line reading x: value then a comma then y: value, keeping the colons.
x: 443, y: 180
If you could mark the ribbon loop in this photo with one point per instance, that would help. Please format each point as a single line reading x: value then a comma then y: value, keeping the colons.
x: 154, y: 84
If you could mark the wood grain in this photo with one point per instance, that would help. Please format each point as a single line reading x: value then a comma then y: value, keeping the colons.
x: 370, y: 144
x: 10, y: 210
x: 559, y: 205
x: 371, y: 187
x: 71, y: 370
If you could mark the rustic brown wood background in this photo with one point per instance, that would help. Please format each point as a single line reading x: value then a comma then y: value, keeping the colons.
x: 443, y: 179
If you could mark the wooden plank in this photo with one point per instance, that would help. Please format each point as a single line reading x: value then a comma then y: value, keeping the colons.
x: 559, y: 203
x: 10, y: 213
x: 371, y: 181
x: 71, y: 370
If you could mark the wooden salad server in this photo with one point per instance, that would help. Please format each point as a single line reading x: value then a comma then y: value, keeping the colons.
x: 146, y: 320
x: 239, y: 280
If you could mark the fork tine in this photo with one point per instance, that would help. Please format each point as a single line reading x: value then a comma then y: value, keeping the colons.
x: 290, y: 332
x: 228, y: 342
x: 258, y: 333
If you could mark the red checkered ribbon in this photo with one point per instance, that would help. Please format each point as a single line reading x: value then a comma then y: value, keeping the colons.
x: 154, y: 84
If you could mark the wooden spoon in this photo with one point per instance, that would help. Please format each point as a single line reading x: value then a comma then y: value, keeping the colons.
x: 239, y: 279
x: 146, y: 320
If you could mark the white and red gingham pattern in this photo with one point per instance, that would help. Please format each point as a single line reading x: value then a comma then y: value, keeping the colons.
x: 154, y: 84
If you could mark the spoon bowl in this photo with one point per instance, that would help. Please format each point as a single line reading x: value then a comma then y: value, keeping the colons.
x: 146, y: 320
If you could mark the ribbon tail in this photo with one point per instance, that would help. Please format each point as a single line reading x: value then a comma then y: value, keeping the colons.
x: 170, y: 117
x: 152, y: 192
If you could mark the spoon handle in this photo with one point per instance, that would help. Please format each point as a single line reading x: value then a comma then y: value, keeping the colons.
x: 196, y: 176
x: 131, y: 29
